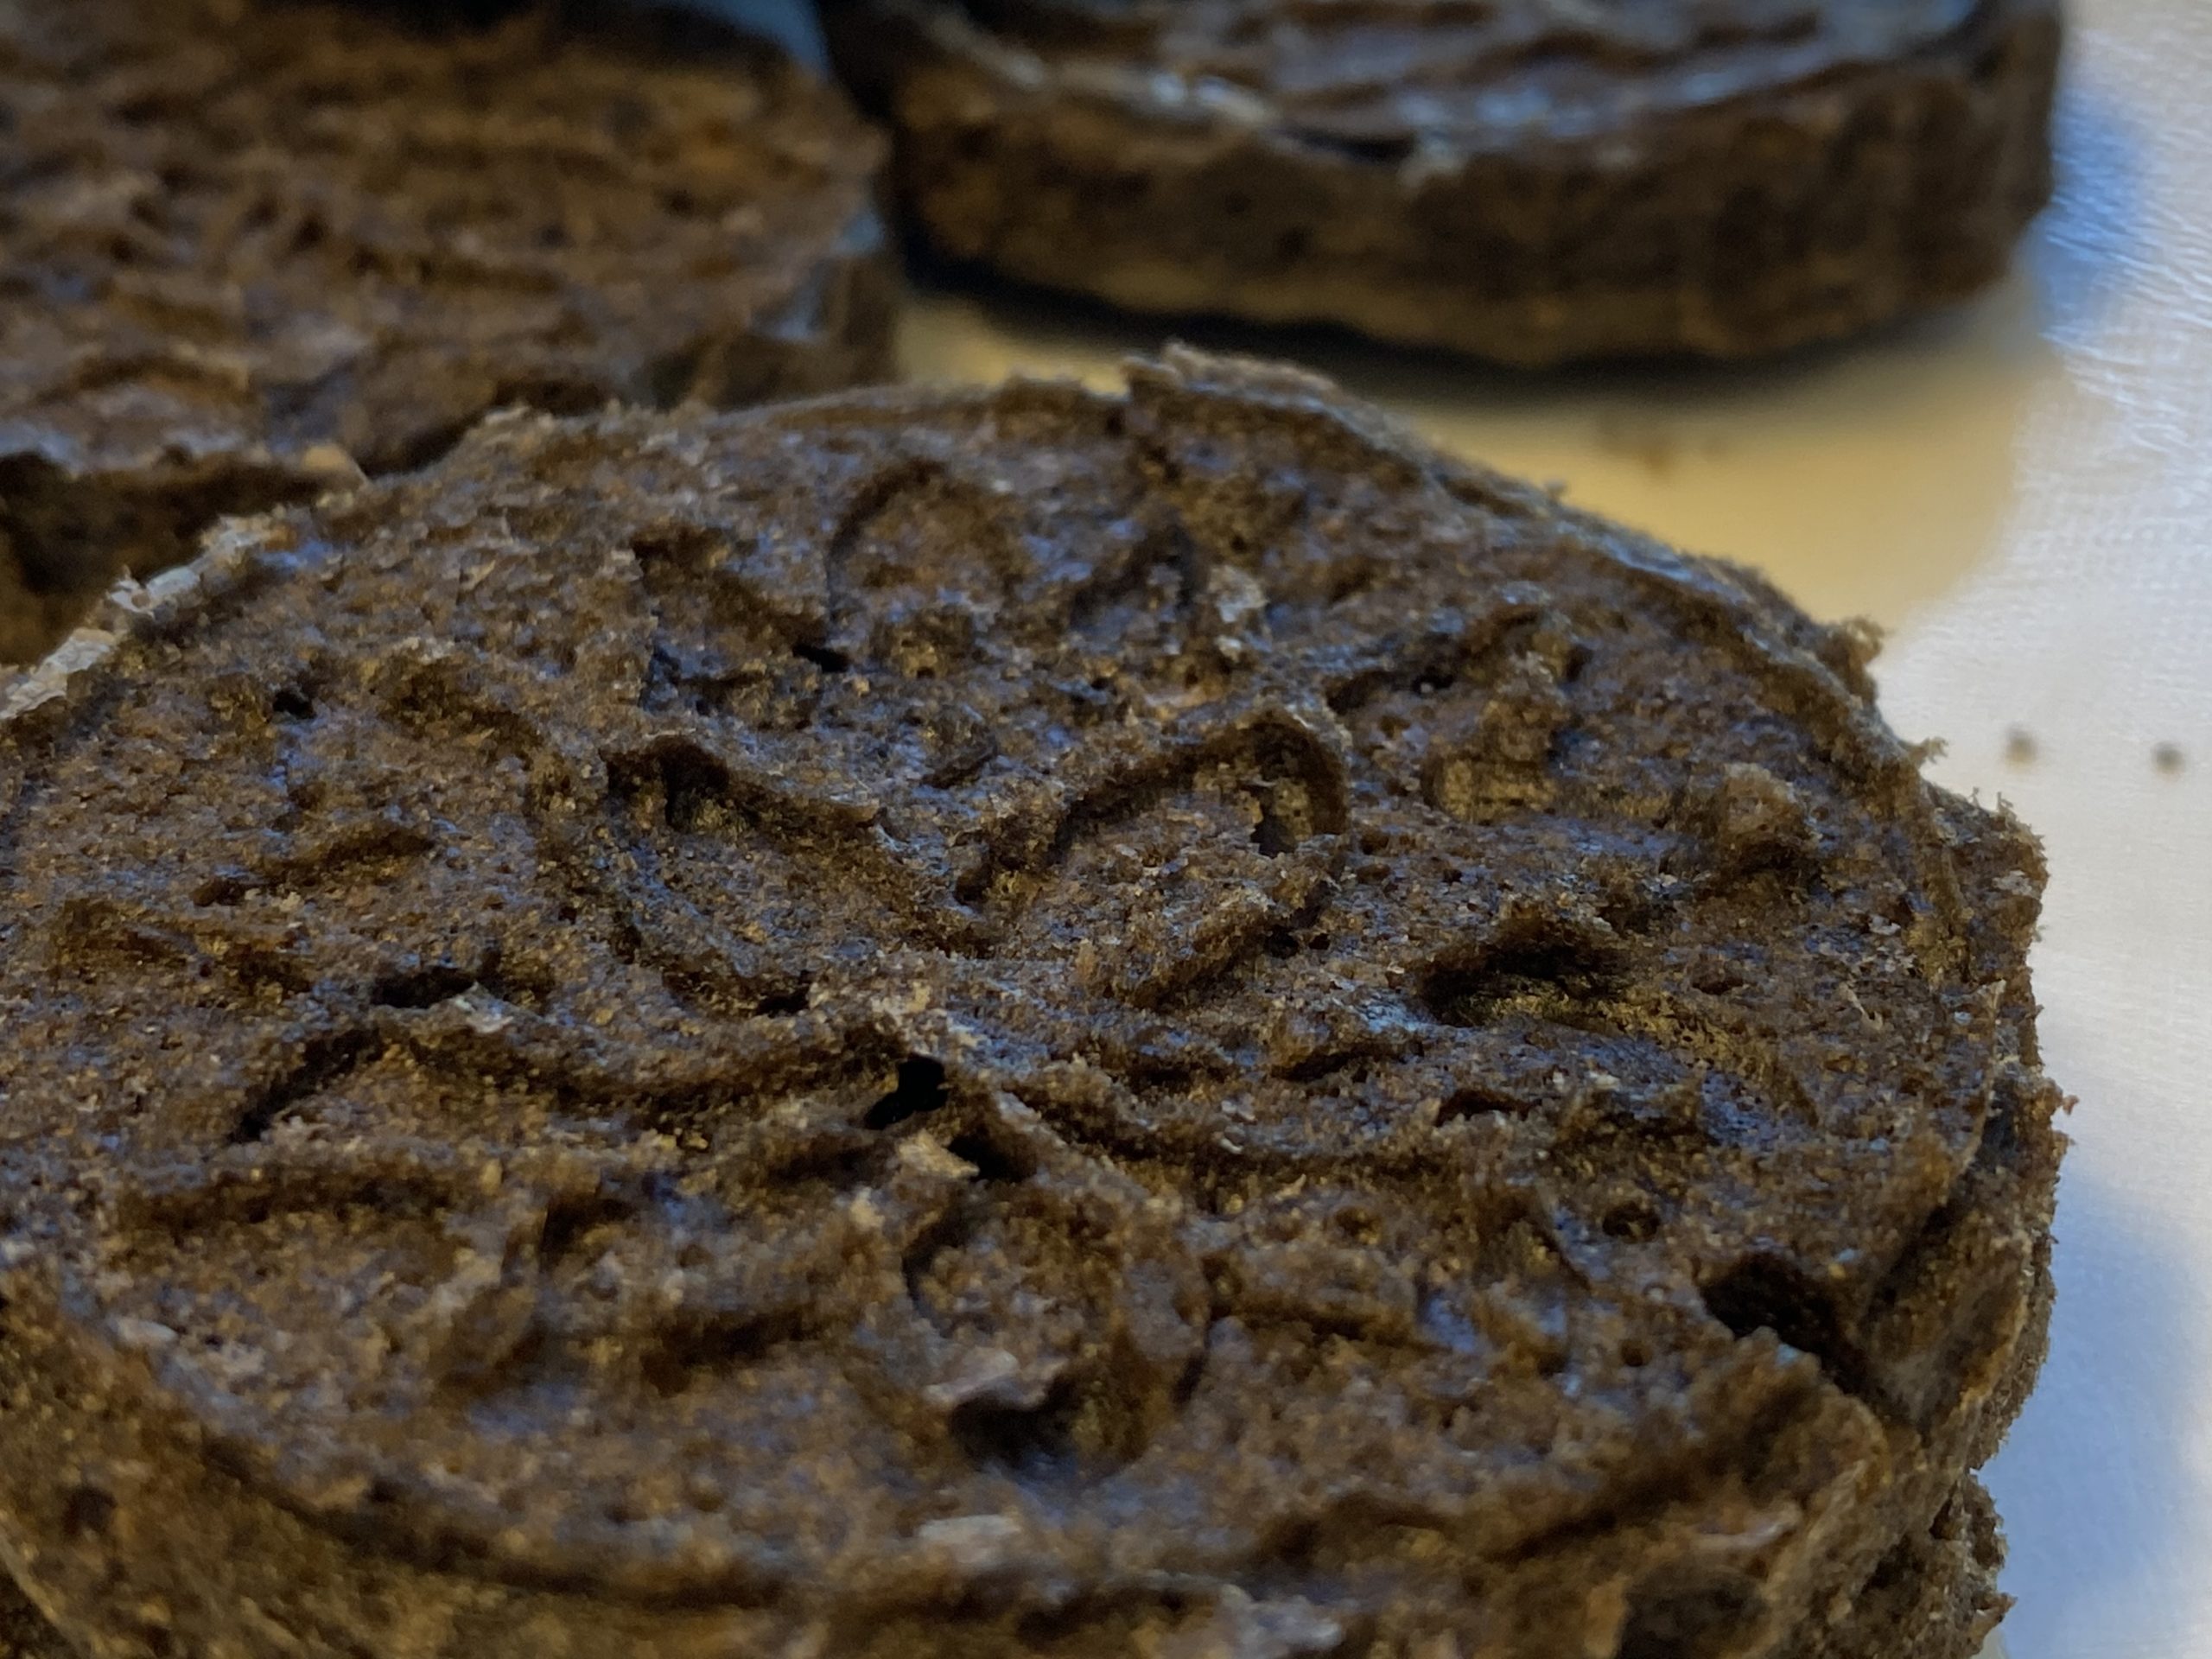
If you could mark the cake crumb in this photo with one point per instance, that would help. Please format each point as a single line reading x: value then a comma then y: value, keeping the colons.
x: 2168, y: 758
x: 2020, y: 745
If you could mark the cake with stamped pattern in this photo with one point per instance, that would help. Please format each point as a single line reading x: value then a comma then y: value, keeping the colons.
x: 1019, y: 1024
x: 248, y: 247
x: 1529, y: 182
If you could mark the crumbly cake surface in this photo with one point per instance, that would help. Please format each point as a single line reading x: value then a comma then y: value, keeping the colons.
x: 1528, y: 180
x: 1013, y: 1023
x: 246, y: 247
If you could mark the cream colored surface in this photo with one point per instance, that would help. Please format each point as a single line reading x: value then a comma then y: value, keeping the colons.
x: 2023, y: 495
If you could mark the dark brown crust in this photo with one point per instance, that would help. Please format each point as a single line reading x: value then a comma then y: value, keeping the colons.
x: 23, y: 1634
x: 1934, y: 1597
x: 1861, y: 1163
x: 253, y: 244
x: 1772, y: 219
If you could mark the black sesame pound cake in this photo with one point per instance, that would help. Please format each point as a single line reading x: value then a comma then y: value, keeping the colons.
x: 1528, y: 180
x: 999, y: 1024
x: 249, y: 246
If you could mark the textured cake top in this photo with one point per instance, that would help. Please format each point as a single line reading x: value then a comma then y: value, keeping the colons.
x: 1383, y: 77
x: 1000, y: 999
x: 226, y: 225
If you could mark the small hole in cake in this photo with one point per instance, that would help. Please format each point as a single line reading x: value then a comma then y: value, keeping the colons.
x: 1532, y: 968
x: 1275, y: 834
x: 1480, y: 1100
x: 785, y: 1000
x: 992, y: 1163
x: 1689, y: 1614
x: 571, y: 1220
x: 87, y: 1512
x: 1766, y: 1293
x: 1075, y: 1429
x: 1632, y: 1220
x: 421, y: 988
x: 226, y: 889
x: 921, y: 1088
x: 689, y: 1355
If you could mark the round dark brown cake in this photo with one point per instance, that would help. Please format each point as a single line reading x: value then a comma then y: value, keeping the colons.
x: 247, y: 245
x: 1013, y: 1023
x: 1528, y: 180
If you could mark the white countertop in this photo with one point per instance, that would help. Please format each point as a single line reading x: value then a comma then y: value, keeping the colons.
x: 2022, y: 493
